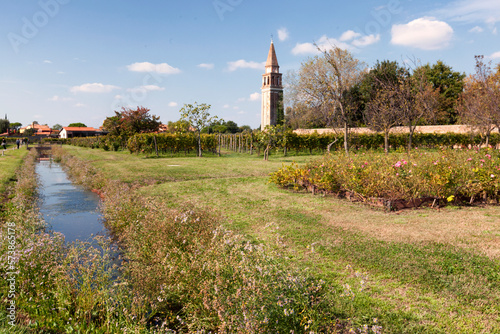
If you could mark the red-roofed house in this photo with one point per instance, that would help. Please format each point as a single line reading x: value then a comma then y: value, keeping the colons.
x: 41, y: 130
x: 70, y: 132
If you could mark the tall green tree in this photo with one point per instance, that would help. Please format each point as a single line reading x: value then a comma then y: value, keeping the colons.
x: 383, y: 74
x: 449, y: 85
x: 77, y: 125
x: 198, y: 117
x: 4, y: 125
x: 15, y: 126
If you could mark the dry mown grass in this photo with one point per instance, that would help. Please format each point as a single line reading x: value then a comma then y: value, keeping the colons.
x: 477, y: 229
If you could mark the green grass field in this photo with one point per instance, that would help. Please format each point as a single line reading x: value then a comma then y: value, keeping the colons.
x: 9, y: 163
x: 425, y: 270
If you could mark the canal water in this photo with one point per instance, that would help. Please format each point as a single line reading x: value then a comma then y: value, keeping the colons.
x: 67, y: 208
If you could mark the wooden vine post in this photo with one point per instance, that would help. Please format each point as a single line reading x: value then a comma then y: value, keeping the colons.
x: 156, y: 146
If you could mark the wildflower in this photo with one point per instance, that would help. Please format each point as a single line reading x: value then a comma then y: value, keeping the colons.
x: 397, y: 164
x: 492, y: 175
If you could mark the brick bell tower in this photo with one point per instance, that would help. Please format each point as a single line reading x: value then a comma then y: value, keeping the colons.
x: 272, y: 91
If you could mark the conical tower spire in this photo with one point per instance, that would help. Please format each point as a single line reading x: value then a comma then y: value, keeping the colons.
x: 272, y: 60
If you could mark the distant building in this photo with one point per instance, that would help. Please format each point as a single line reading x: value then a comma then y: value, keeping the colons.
x: 40, y: 130
x: 71, y: 132
x: 272, y: 91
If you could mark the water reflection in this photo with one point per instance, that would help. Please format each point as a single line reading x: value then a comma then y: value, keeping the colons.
x: 67, y: 208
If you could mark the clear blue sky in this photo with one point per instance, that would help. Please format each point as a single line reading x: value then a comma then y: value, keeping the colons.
x: 64, y: 61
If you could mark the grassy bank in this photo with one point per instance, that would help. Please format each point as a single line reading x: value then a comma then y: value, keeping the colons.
x: 9, y: 163
x: 48, y: 286
x: 432, y: 271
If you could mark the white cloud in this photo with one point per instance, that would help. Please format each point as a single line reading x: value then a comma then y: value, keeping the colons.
x: 57, y: 98
x: 255, y: 96
x: 324, y: 43
x: 283, y: 34
x: 477, y: 29
x: 206, y: 66
x: 423, y: 33
x: 93, y: 88
x: 226, y: 106
x: 348, y: 35
x: 79, y: 105
x: 173, y: 104
x: 47, y: 62
x: 495, y: 55
x: 147, y: 88
x: 162, y: 68
x: 470, y: 11
x: 305, y: 48
x: 366, y: 40
x: 234, y: 65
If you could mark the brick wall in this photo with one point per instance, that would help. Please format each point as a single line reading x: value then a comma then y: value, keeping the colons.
x: 399, y: 129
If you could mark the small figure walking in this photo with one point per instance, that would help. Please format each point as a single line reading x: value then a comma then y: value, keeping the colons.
x: 4, y: 144
x: 18, y: 142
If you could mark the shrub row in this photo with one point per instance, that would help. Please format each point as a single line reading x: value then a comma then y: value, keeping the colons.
x: 145, y: 143
x: 246, y: 142
x: 170, y: 143
x: 457, y: 176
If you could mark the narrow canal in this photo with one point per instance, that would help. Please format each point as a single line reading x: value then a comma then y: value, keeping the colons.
x: 67, y: 208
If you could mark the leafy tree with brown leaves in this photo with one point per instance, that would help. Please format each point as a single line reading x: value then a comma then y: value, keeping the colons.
x: 321, y: 89
x: 379, y: 91
x: 417, y: 101
x: 382, y: 113
x: 479, y: 104
x: 128, y: 122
